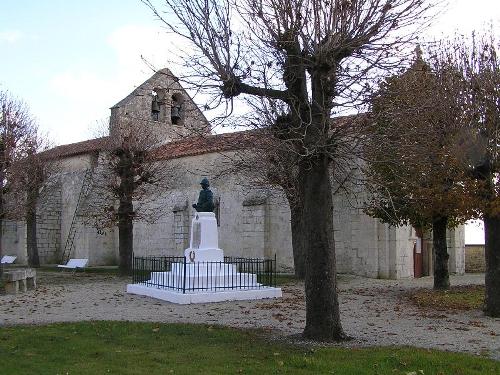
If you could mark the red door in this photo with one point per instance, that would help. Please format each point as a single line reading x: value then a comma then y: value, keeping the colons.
x: 417, y: 254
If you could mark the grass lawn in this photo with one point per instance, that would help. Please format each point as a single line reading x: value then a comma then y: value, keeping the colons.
x: 469, y: 297
x: 149, y: 348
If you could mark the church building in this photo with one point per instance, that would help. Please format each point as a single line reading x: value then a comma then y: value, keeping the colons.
x: 253, y: 222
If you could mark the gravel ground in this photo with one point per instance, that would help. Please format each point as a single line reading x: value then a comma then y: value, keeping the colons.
x: 373, y: 312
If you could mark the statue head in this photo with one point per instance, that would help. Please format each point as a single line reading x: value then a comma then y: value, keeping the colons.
x: 204, y: 183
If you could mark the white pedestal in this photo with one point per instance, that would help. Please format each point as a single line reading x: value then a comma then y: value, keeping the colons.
x: 203, y: 296
x: 204, y: 243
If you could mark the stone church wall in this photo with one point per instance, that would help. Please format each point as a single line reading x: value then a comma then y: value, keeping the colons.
x: 456, y: 249
x: 49, y: 222
x: 14, y: 240
x: 96, y: 245
x: 252, y: 223
x: 256, y: 223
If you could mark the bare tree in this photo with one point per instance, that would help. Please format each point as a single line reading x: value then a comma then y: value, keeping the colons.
x: 306, y: 59
x: 17, y: 140
x: 261, y: 162
x: 264, y: 161
x: 29, y: 177
x: 478, y: 62
x: 125, y: 187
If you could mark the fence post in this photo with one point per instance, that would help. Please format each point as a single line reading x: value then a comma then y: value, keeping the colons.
x: 273, y: 271
x: 184, y: 278
x: 133, y: 269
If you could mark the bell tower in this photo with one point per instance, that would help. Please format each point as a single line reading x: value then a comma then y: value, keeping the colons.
x: 159, y: 107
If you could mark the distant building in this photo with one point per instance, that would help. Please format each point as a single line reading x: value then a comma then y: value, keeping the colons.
x: 475, y: 260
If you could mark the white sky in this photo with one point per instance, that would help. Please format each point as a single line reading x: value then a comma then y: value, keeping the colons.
x: 71, y: 61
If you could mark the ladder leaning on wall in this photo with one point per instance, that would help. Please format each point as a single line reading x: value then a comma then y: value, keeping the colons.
x: 84, y: 192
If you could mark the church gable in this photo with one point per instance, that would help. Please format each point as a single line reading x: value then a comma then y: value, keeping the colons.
x: 160, y: 106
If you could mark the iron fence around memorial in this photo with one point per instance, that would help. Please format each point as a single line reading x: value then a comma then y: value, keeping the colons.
x: 178, y: 274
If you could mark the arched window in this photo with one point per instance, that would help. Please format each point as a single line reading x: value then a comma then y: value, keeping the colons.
x: 176, y: 109
x: 155, y: 107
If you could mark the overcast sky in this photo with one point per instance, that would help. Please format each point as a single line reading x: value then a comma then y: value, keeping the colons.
x: 72, y: 60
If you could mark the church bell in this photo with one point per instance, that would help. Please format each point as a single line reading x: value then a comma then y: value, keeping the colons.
x: 155, y: 106
x: 176, y: 114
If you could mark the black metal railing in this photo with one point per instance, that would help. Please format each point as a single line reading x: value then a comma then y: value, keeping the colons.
x: 177, y: 273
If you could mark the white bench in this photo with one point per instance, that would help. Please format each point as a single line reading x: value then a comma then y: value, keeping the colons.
x: 74, y: 264
x: 19, y: 280
x: 8, y: 259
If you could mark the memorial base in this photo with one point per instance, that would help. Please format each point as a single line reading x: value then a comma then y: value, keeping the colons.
x: 203, y: 296
x: 204, y: 255
x: 202, y: 275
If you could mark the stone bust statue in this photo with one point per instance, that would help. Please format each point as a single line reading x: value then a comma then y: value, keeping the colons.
x: 205, y: 199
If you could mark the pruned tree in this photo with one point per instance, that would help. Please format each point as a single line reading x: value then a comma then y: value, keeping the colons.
x: 478, y: 62
x: 304, y: 59
x: 125, y: 187
x: 29, y: 178
x: 18, y: 132
x: 417, y: 177
x: 262, y: 162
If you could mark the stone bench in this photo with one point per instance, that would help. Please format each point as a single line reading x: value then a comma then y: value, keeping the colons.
x: 19, y: 281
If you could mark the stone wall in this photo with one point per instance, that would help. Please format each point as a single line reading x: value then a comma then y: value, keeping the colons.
x: 364, y: 245
x: 14, y: 240
x: 456, y: 249
x: 254, y: 226
x: 474, y: 258
x: 181, y: 226
x: 256, y: 223
x: 252, y: 222
x: 455, y: 239
x: 405, y: 237
x: 48, y: 218
x: 48, y: 229
x: 96, y: 245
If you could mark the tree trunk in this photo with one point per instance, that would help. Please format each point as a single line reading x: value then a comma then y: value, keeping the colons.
x: 32, y: 246
x: 492, y: 255
x: 298, y: 238
x: 1, y: 250
x: 125, y: 237
x: 441, y: 274
x: 1, y: 213
x: 322, y: 305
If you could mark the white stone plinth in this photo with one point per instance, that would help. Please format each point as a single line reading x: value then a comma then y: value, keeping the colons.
x: 203, y: 282
x: 204, y: 243
x: 203, y: 296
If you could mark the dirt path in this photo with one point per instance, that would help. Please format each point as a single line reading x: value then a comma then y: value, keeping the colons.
x: 374, y: 312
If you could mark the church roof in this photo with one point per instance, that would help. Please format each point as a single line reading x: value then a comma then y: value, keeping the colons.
x: 77, y: 148
x: 189, y: 146
x: 192, y: 146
